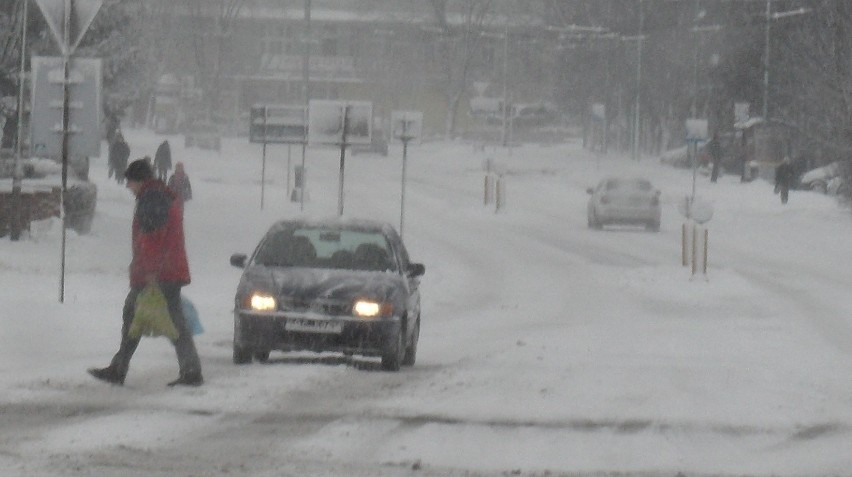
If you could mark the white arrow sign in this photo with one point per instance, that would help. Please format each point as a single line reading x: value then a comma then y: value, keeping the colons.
x: 76, y: 15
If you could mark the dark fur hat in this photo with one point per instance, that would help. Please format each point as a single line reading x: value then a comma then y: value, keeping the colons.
x: 139, y: 170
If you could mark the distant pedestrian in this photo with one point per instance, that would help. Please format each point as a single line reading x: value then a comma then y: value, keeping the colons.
x: 784, y: 178
x: 180, y: 185
x: 163, y: 160
x: 715, y: 151
x: 119, y: 152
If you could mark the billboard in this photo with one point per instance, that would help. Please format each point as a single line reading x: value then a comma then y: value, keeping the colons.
x: 286, y: 124
x: 84, y: 107
x: 326, y: 119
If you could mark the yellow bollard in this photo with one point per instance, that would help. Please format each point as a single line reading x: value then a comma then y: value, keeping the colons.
x: 499, y: 195
x: 487, y: 197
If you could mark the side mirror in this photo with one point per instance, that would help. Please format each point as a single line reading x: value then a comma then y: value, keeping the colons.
x: 239, y: 260
x: 416, y: 269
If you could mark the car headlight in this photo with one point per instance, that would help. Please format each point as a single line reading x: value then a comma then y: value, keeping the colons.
x: 371, y: 308
x: 262, y: 302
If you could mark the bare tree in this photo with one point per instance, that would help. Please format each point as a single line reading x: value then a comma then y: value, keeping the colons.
x: 212, y: 24
x: 460, y: 43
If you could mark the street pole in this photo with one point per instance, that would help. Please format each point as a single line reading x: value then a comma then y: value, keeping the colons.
x: 404, y: 137
x: 342, y: 160
x: 695, y: 64
x: 66, y: 117
x: 17, y: 174
x: 306, y: 78
x: 766, y: 62
x: 635, y: 149
x: 504, y: 133
x: 263, y: 174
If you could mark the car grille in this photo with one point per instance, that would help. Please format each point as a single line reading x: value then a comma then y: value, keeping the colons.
x: 321, y: 306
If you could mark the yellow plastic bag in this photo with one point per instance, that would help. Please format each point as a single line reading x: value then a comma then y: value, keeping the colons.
x: 151, y: 317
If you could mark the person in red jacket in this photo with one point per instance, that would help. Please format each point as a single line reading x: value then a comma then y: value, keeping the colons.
x: 159, y: 256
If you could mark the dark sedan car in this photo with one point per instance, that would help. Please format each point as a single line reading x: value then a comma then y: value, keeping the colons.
x: 328, y: 285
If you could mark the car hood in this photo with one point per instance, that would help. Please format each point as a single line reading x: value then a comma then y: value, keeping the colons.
x: 311, y: 283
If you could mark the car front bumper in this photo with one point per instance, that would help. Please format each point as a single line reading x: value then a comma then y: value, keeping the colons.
x: 311, y: 332
x: 628, y: 215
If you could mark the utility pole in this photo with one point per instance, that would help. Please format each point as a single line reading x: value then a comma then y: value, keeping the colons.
x: 17, y: 174
x: 766, y: 62
x: 504, y: 133
x: 306, y: 79
x: 769, y: 17
x: 693, y: 108
x: 636, y: 115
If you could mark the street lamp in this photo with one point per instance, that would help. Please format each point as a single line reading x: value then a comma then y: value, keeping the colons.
x: 634, y: 153
x: 769, y: 17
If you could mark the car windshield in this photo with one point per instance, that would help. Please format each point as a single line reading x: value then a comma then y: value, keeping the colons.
x: 628, y: 184
x: 326, y: 248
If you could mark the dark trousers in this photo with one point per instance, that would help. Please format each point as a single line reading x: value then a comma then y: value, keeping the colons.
x: 187, y: 355
x: 785, y: 192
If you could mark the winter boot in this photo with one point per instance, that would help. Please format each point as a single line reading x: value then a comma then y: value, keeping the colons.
x: 189, y: 379
x: 108, y: 374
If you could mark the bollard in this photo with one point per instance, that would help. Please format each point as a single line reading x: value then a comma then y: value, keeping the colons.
x: 487, y: 195
x: 694, y: 249
x: 706, y: 234
x: 683, y: 244
x: 500, y: 195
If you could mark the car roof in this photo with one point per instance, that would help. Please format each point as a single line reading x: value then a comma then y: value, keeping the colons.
x: 626, y: 179
x: 339, y: 223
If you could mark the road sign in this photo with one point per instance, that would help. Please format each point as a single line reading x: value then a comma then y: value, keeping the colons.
x: 84, y: 107
x: 696, y: 130
x: 285, y: 124
x: 406, y: 125
x: 79, y: 15
x: 325, y: 122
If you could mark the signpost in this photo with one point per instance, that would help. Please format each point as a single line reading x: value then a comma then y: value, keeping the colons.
x: 281, y: 124
x: 405, y: 126
x: 68, y: 21
x: 340, y: 123
x: 84, y: 109
x: 696, y: 211
x: 696, y: 132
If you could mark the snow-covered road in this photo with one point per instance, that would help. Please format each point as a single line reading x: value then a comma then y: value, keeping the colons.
x: 546, y: 348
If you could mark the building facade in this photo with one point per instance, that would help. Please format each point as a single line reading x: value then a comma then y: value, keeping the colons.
x: 396, y: 54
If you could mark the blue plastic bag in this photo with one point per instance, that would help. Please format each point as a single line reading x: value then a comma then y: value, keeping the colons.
x: 190, y: 313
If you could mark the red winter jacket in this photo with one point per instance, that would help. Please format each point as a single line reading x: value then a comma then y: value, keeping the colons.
x: 158, y: 241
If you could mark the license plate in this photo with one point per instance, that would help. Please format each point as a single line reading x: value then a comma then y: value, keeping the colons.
x: 313, y: 326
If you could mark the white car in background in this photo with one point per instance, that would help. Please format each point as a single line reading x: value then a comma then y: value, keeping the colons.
x: 624, y: 200
x: 827, y: 179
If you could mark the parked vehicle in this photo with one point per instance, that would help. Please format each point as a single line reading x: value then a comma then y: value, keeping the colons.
x: 624, y: 200
x: 827, y: 179
x: 328, y: 285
